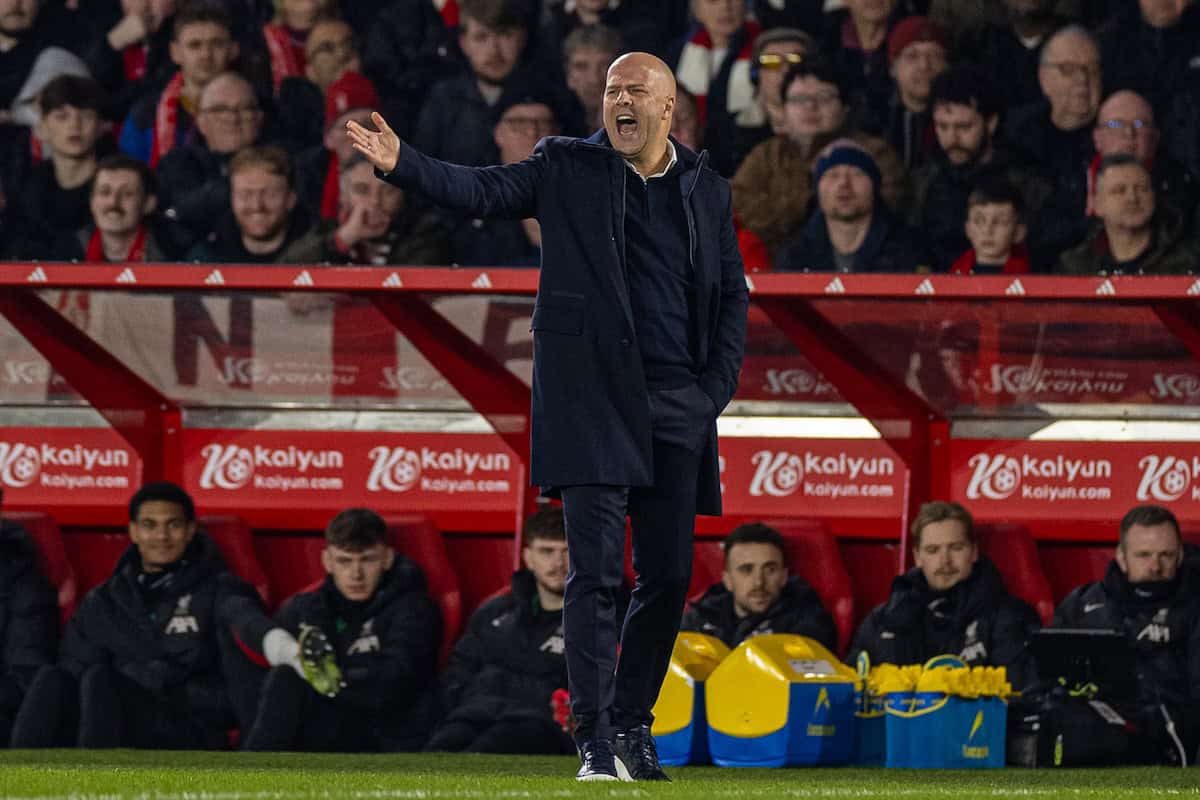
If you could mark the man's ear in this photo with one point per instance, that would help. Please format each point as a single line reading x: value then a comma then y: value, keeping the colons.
x: 327, y: 559
x: 389, y: 557
x: 1019, y: 233
x: 149, y: 205
x: 1119, y: 557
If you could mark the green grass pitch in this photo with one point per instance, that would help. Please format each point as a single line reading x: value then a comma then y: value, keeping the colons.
x: 142, y: 775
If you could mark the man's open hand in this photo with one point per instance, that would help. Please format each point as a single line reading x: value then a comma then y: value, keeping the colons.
x: 381, y: 147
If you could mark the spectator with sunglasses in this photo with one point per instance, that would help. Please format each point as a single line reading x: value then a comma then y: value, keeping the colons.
x: 774, y: 52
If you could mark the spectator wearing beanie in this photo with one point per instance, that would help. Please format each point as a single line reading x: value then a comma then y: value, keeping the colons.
x: 917, y: 52
x: 713, y: 62
x: 350, y: 97
x: 852, y: 231
x: 772, y: 190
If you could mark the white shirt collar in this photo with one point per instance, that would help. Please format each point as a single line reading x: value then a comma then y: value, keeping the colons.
x: 665, y: 170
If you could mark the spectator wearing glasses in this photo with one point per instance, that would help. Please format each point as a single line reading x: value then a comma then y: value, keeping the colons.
x: 1126, y: 124
x: 523, y: 122
x: 1137, y: 235
x: 773, y: 188
x: 775, y: 51
x: 1054, y: 138
x: 195, y: 177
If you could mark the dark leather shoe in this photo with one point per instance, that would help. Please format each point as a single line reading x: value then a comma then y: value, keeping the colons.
x: 596, y: 761
x: 635, y: 749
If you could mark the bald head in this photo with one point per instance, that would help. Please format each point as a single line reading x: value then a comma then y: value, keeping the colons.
x: 655, y: 68
x: 1125, y: 124
x: 639, y: 100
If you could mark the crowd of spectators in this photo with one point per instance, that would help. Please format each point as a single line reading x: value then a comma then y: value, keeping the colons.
x: 974, y: 136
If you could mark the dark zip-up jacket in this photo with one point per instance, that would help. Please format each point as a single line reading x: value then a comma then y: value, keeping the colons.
x: 977, y: 620
x: 169, y: 641
x: 509, y: 661
x: 386, y: 648
x: 28, y: 616
x: 591, y: 411
x: 1162, y: 620
x: 798, y: 610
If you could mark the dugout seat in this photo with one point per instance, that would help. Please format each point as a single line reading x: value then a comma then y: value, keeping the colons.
x: 813, y: 554
x: 1012, y: 549
x: 233, y: 538
x: 52, y: 558
x: 1069, y: 566
x: 417, y: 537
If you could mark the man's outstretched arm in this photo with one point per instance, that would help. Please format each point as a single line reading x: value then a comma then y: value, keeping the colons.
x: 500, y: 191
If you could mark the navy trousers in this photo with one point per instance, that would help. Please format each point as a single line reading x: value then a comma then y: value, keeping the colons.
x: 607, y: 691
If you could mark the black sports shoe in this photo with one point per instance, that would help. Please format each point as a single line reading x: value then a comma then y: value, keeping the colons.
x: 636, y: 751
x: 596, y: 762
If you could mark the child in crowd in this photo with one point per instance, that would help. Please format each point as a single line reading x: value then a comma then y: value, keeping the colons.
x: 996, y: 227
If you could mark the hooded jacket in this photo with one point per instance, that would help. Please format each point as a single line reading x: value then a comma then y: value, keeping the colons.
x: 798, y: 610
x: 28, y: 616
x: 1161, y: 619
x: 386, y: 648
x: 510, y: 660
x: 977, y: 620
x: 167, y: 631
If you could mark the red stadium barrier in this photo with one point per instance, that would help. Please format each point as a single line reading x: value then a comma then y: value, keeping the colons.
x: 1055, y: 403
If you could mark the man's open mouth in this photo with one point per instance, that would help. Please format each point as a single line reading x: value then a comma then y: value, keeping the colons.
x: 626, y: 124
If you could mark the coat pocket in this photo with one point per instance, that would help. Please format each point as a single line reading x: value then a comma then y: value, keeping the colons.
x: 558, y: 315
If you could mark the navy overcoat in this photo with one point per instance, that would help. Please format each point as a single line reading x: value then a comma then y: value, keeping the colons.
x: 591, y: 412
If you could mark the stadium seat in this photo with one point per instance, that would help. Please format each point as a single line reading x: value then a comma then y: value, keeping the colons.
x: 708, y: 563
x: 483, y: 566
x: 1068, y: 566
x: 417, y: 537
x: 1012, y: 549
x: 52, y: 558
x: 813, y: 554
x: 233, y: 538
x: 94, y: 554
x: 872, y: 565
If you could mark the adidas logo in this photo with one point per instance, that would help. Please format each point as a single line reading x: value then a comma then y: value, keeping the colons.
x: 1106, y: 289
x: 127, y: 276
x: 482, y: 282
x: 835, y: 286
x: 925, y: 287
x: 1194, y: 289
x: 37, y: 276
x: 303, y: 279
x: 393, y: 281
x: 1015, y: 288
x: 215, y: 278
x: 749, y: 284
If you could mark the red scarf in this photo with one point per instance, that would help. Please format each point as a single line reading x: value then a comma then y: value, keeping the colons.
x: 95, y: 248
x: 330, y: 192
x: 166, y: 119
x: 134, y: 60
x: 1017, y: 263
x: 449, y: 11
x: 694, y: 71
x: 287, y: 55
